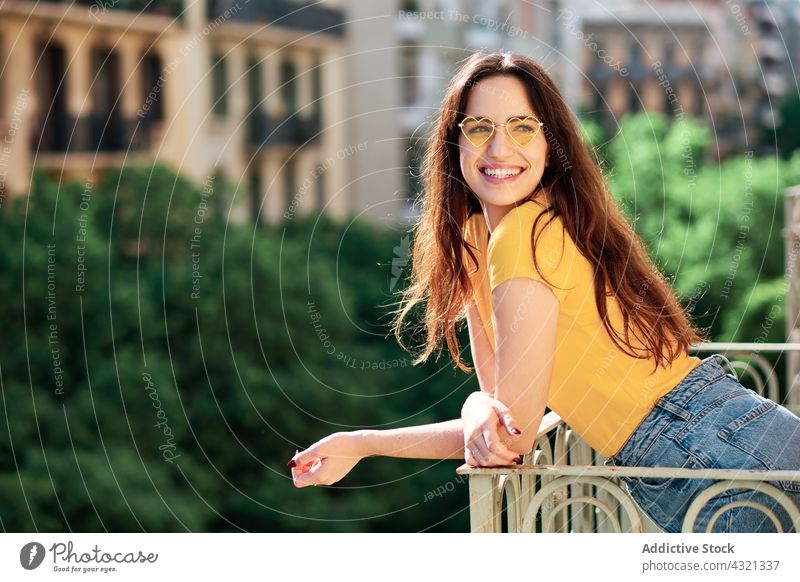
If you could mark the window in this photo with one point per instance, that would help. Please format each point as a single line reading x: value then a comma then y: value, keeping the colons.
x: 316, y: 87
x: 669, y: 103
x: 106, y: 119
x: 289, y: 87
x: 289, y: 184
x: 255, y: 88
x: 635, y: 54
x: 408, y: 74
x: 699, y: 100
x: 634, y: 104
x: 669, y: 53
x: 255, y: 195
x: 320, y: 191
x: 219, y: 81
x: 598, y: 97
x: 255, y: 92
x: 153, y: 88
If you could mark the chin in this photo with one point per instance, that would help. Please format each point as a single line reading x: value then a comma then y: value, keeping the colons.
x: 502, y: 198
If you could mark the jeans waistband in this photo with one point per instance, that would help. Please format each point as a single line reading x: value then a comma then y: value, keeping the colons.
x: 708, y: 371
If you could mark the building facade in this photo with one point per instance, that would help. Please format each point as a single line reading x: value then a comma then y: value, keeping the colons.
x: 720, y: 62
x: 214, y: 88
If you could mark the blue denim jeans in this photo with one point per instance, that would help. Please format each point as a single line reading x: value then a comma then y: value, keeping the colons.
x: 709, y: 420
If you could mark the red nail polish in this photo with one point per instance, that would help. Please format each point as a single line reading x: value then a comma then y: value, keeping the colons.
x: 518, y: 460
x: 291, y: 464
x: 515, y: 430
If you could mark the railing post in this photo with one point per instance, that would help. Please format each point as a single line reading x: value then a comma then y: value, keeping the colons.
x: 791, y: 234
x: 481, y: 504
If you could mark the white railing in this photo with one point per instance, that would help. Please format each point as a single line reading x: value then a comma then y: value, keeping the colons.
x: 563, y: 486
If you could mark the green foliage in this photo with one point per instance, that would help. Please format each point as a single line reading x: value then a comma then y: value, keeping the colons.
x: 164, y: 401
x: 713, y: 229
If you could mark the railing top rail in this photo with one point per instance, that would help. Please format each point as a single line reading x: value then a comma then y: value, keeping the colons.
x: 550, y: 422
x: 651, y: 472
x: 746, y: 347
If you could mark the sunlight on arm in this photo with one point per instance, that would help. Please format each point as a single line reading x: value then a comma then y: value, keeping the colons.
x: 525, y: 315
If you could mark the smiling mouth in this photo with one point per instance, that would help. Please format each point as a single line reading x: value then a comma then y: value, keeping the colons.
x: 501, y: 173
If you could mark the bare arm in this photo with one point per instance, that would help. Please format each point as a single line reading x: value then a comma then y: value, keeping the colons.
x: 330, y: 459
x: 442, y: 440
x: 482, y: 352
x: 526, y: 319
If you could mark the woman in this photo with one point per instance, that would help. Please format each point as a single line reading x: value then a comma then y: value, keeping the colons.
x: 519, y: 235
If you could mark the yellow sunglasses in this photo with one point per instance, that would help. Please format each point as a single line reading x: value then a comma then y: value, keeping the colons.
x: 521, y: 129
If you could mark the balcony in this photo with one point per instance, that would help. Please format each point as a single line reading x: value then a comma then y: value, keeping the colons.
x: 59, y: 133
x: 172, y: 8
x: 563, y: 486
x: 308, y: 17
x: 264, y: 131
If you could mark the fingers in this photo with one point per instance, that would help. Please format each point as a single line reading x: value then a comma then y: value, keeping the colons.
x: 469, y: 458
x: 504, y: 414
x: 478, y: 453
x: 299, y: 459
x: 305, y: 468
x: 481, y: 452
x: 308, y: 475
x: 510, y: 424
x: 499, y: 452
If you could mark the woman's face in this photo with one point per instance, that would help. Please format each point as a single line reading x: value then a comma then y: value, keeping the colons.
x: 501, y: 172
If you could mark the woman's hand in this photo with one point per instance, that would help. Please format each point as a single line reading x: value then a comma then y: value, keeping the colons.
x: 485, y: 420
x: 326, y: 461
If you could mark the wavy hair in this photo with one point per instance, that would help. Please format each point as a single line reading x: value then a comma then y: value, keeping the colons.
x: 652, y: 316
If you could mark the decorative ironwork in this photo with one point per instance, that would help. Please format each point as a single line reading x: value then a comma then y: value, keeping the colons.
x: 563, y: 486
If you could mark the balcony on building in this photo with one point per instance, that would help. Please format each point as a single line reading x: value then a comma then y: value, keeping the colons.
x: 172, y: 8
x: 303, y: 16
x: 265, y: 130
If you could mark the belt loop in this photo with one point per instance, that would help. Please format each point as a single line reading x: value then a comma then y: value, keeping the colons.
x: 727, y: 364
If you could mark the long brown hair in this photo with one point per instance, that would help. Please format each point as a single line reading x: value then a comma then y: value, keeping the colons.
x: 652, y: 315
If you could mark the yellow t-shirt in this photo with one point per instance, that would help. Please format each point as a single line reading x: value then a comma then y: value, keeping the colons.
x: 601, y: 392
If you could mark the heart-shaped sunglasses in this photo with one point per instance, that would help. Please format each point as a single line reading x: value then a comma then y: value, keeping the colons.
x: 521, y: 129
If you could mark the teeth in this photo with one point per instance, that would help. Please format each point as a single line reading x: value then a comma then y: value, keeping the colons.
x: 496, y: 173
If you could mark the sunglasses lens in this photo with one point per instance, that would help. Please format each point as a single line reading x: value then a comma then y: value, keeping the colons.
x: 523, y: 130
x: 477, y: 131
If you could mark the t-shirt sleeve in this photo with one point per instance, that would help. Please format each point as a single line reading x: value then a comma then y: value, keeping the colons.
x: 511, y: 253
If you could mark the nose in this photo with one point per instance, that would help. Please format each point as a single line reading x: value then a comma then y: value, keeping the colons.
x: 500, y: 143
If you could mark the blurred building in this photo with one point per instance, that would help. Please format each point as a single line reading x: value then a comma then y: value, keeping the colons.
x: 666, y: 56
x: 721, y: 62
x: 325, y: 106
x: 400, y: 58
x: 215, y: 88
x: 775, y: 26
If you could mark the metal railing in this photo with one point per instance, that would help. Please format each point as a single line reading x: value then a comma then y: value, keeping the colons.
x: 563, y: 486
x: 172, y: 8
x: 264, y: 131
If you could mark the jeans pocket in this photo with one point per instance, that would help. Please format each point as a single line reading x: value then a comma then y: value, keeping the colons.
x: 770, y: 436
x: 660, y: 483
x: 665, y: 500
